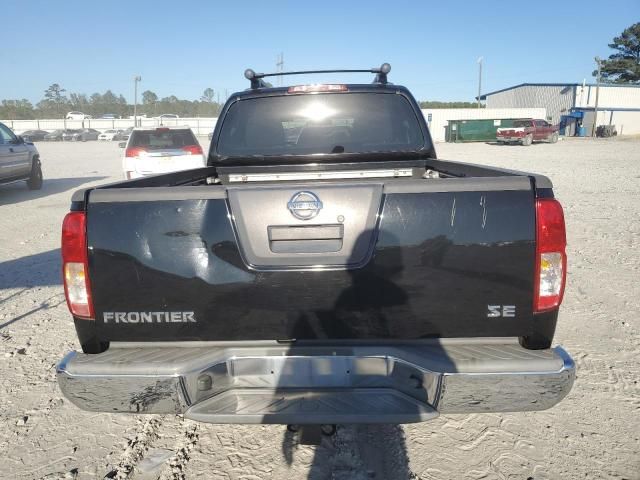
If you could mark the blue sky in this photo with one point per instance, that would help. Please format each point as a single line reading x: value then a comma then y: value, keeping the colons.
x: 183, y: 47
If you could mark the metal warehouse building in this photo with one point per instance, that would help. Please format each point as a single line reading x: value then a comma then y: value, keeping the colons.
x: 571, y: 104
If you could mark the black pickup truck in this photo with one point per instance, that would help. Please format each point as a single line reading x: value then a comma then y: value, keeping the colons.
x: 324, y: 268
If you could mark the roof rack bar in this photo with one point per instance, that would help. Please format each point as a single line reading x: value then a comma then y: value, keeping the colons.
x: 257, y: 82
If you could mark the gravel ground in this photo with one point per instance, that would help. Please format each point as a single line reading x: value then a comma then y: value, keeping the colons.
x: 593, y: 433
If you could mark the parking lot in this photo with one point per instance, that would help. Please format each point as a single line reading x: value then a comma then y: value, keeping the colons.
x: 593, y: 433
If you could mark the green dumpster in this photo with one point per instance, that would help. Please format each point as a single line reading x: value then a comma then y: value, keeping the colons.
x: 476, y: 130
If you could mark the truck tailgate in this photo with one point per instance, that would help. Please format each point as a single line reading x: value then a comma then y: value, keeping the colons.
x: 358, y: 259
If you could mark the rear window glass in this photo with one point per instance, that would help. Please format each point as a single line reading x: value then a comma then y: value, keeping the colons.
x: 322, y: 123
x: 523, y: 123
x: 160, y: 139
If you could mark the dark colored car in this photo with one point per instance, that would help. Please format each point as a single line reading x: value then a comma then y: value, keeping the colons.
x: 70, y: 134
x: 33, y: 135
x: 81, y: 135
x: 123, y: 135
x: 56, y: 135
x: 324, y: 267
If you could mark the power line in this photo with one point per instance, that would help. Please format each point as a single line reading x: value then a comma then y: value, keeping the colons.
x: 479, y: 79
x: 595, y: 110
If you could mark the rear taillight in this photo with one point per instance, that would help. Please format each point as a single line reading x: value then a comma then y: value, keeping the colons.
x: 75, y: 267
x: 551, y: 258
x: 192, y: 149
x: 134, y: 151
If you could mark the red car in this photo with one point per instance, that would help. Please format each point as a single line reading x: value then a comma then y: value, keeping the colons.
x: 528, y: 131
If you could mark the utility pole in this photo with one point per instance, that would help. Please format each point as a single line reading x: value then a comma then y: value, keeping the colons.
x: 479, y: 79
x: 595, y: 110
x: 280, y: 67
x: 136, y: 79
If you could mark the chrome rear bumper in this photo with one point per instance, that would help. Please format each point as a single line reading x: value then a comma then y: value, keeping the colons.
x: 312, y: 385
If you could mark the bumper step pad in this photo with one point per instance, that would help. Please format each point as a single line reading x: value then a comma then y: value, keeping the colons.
x: 315, y: 407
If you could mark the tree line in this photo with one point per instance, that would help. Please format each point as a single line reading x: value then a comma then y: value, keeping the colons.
x: 56, y: 103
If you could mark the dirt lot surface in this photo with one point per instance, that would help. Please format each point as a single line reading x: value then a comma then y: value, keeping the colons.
x: 593, y: 433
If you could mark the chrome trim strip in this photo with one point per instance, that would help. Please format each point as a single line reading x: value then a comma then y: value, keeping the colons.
x: 145, y: 194
x: 465, y: 184
x: 326, y: 175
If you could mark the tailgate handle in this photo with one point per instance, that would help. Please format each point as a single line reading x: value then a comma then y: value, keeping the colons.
x: 306, y: 239
x: 306, y: 232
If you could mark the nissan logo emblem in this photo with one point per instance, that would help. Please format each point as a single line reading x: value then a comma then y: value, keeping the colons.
x: 304, y: 205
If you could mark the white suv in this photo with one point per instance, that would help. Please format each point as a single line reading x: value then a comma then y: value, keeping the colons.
x: 109, y: 134
x: 160, y: 150
x: 77, y: 116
